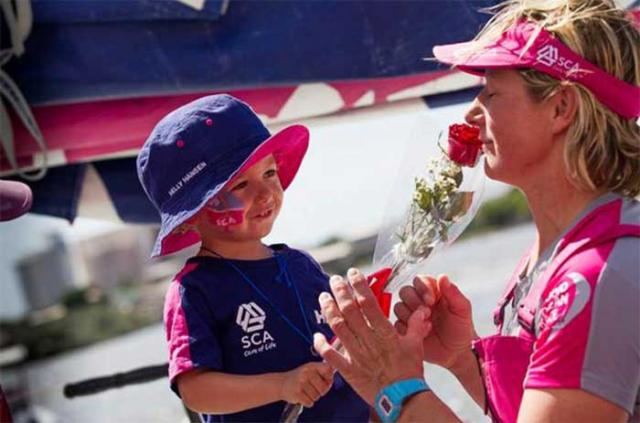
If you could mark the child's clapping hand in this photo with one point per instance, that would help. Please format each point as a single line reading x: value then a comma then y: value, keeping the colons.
x: 307, y: 383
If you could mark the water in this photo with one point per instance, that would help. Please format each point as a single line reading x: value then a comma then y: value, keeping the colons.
x: 479, y: 265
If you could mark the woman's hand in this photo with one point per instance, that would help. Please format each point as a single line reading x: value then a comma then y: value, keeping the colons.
x: 307, y: 383
x: 450, y: 315
x: 373, y: 354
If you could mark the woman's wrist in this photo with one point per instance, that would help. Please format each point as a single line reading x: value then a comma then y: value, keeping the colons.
x: 426, y: 403
x: 465, y: 364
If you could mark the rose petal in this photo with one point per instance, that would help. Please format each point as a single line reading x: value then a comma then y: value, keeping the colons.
x: 464, y: 145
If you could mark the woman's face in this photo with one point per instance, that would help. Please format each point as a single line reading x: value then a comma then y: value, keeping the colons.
x: 515, y: 129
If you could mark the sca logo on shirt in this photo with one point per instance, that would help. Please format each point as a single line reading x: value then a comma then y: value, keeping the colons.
x: 251, y: 319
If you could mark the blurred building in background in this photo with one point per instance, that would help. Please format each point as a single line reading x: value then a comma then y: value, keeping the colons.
x: 104, y: 261
x: 115, y: 258
x: 46, y: 276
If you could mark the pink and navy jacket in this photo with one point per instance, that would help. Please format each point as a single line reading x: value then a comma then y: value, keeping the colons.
x: 577, y: 316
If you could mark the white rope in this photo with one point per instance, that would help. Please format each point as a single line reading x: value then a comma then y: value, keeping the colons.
x: 19, y: 21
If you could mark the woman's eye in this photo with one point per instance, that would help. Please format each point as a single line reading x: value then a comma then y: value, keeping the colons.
x: 240, y: 185
x: 489, y: 94
x: 270, y: 173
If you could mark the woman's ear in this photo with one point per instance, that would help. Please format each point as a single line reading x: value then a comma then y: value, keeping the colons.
x: 565, y: 108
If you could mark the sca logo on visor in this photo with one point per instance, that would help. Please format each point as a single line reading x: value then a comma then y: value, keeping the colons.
x: 548, y: 55
x: 251, y: 318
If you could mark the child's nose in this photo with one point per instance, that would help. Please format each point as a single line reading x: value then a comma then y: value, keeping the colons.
x: 263, y: 193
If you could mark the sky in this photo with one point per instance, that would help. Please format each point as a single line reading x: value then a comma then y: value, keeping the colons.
x: 341, y: 189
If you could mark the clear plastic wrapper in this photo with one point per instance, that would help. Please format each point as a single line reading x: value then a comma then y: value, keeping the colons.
x: 432, y: 202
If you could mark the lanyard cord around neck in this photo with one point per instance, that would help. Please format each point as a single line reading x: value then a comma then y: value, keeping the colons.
x: 282, y: 265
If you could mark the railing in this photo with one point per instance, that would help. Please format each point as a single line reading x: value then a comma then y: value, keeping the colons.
x: 119, y: 380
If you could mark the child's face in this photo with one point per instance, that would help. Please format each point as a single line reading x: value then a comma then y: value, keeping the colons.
x: 259, y: 190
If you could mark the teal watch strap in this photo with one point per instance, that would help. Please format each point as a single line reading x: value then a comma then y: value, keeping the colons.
x: 390, y: 398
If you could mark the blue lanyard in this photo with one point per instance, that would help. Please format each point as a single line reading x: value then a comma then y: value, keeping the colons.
x: 282, y: 264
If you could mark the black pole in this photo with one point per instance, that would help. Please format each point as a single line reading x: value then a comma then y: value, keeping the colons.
x: 117, y: 380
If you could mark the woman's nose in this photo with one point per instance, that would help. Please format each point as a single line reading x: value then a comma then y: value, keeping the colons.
x: 474, y: 115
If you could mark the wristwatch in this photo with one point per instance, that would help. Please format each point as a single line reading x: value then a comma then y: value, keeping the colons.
x: 390, y: 398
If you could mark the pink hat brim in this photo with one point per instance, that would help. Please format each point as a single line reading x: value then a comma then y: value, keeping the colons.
x: 289, y: 145
x: 498, y: 57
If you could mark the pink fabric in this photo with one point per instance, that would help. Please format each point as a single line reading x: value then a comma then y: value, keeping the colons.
x: 559, y: 354
x: 554, y: 356
x: 101, y: 129
x: 545, y: 54
x: 504, y: 361
x: 176, y: 325
x: 498, y: 313
x: 179, y: 239
x: 567, y: 300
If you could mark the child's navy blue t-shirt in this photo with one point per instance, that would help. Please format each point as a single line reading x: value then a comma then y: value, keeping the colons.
x: 246, y: 317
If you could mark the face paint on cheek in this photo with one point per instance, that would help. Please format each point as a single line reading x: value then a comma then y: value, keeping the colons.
x: 224, y: 210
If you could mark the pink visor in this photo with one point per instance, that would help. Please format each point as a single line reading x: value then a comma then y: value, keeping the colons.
x: 545, y: 54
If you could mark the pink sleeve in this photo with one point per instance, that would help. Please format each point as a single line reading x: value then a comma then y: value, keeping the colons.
x: 177, y: 333
x: 588, y: 326
x: 189, y: 327
x: 563, y: 324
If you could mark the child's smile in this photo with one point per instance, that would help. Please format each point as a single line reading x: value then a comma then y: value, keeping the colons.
x: 264, y: 214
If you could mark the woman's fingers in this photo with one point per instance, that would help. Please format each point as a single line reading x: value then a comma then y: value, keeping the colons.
x: 401, y: 311
x: 457, y: 303
x: 347, y: 304
x: 330, y: 354
x: 410, y: 297
x: 427, y: 289
x: 336, y: 321
x: 369, y: 306
x: 400, y: 327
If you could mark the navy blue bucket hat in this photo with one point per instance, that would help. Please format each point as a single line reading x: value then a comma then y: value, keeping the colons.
x: 194, y: 151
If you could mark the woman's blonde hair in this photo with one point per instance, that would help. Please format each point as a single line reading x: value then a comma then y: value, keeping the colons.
x: 602, y: 148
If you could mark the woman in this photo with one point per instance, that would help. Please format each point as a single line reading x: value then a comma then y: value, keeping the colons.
x: 557, y: 118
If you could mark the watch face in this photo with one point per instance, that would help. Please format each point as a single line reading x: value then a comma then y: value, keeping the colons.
x: 385, y: 404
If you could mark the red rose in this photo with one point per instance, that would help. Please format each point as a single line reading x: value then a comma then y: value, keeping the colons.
x: 464, y: 144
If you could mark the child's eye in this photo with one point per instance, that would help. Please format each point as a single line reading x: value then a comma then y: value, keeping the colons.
x: 239, y: 186
x: 270, y: 173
